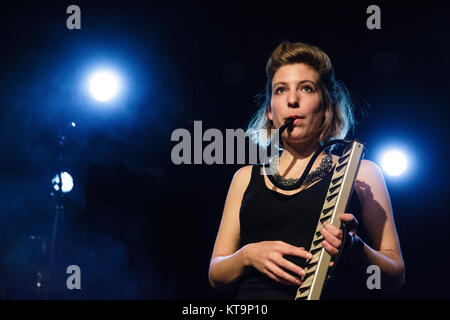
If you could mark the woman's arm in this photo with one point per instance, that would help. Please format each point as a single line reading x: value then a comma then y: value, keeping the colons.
x: 227, y: 262
x: 379, y: 223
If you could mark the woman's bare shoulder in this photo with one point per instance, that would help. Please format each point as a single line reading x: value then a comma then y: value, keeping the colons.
x: 242, y: 176
x: 370, y: 180
x: 239, y: 184
x: 369, y: 170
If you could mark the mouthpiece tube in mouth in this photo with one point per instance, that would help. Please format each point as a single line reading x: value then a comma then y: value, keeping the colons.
x: 289, y: 123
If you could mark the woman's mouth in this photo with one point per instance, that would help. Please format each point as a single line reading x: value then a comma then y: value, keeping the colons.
x: 296, y: 118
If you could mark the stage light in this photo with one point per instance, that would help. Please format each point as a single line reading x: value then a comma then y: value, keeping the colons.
x: 394, y: 162
x: 67, y: 182
x: 104, y: 85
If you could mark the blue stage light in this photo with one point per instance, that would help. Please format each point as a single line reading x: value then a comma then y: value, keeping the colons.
x: 67, y: 182
x: 394, y: 162
x: 104, y: 85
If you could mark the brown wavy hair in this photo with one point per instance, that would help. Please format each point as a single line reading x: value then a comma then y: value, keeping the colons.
x: 339, y: 119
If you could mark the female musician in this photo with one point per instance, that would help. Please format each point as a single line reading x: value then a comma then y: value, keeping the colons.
x: 265, y: 232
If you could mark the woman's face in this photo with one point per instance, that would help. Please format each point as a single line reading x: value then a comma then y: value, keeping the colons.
x: 296, y: 93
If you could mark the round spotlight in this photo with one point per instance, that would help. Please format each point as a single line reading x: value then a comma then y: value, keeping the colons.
x: 67, y: 182
x: 394, y: 162
x: 104, y: 85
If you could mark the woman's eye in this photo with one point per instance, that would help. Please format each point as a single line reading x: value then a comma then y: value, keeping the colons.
x: 308, y: 88
x: 277, y: 91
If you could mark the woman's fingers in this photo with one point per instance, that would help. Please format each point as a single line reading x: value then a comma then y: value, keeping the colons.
x: 287, y: 265
x: 336, y: 232
x: 274, y: 277
x: 279, y: 275
x: 296, y: 251
x: 346, y: 217
x: 350, y: 222
x: 332, y: 234
x: 333, y: 251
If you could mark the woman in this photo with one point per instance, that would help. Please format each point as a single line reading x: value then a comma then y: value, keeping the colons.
x: 265, y: 232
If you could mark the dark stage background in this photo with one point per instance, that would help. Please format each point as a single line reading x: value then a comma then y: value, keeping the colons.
x: 141, y: 227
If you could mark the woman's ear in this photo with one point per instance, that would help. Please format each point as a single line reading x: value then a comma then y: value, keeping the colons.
x: 269, y: 112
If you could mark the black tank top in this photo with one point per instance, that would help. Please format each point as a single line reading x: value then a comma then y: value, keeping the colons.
x: 267, y: 215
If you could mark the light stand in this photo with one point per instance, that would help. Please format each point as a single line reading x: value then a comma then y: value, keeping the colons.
x: 59, y: 195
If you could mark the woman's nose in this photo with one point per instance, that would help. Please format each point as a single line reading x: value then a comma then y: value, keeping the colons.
x: 293, y: 101
x: 293, y: 104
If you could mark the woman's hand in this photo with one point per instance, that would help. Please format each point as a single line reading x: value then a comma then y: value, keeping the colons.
x: 333, y: 236
x: 267, y: 257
